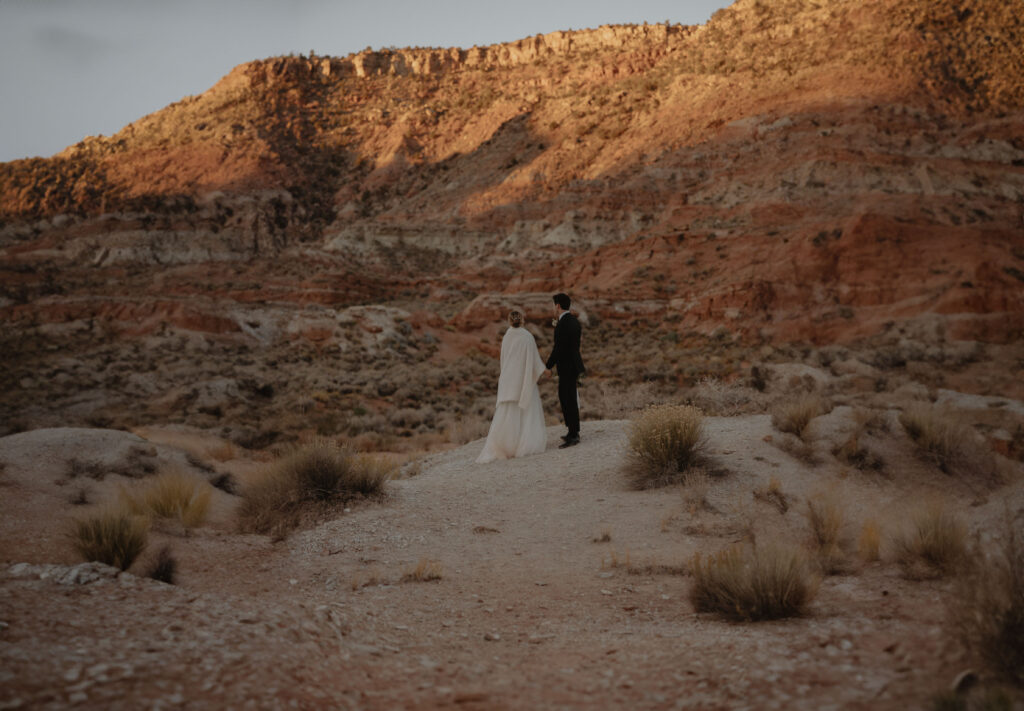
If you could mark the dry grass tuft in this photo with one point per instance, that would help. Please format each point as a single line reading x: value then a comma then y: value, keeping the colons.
x: 665, y: 441
x: 988, y: 607
x: 942, y: 439
x: 316, y: 475
x: 753, y: 583
x: 933, y: 543
x: 794, y: 416
x: 869, y: 542
x: 171, y: 495
x: 696, y: 485
x: 605, y: 537
x: 425, y: 571
x: 825, y: 517
x: 772, y: 493
x: 113, y: 535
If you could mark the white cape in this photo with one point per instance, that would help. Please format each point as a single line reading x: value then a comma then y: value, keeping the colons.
x: 517, y: 429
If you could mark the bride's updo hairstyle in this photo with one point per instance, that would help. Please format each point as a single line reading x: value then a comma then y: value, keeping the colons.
x: 515, y: 318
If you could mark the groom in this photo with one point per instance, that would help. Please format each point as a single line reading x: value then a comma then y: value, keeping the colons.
x: 565, y: 354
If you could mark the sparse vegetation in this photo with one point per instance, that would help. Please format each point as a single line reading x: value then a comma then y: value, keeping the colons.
x: 171, y: 495
x: 940, y: 437
x: 113, y: 535
x: 988, y: 607
x: 932, y: 544
x: 665, y: 441
x: 752, y: 582
x: 794, y: 416
x: 426, y: 570
x: 772, y: 493
x: 825, y: 518
x: 313, y: 476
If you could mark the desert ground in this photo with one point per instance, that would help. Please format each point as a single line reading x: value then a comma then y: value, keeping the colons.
x: 550, y: 581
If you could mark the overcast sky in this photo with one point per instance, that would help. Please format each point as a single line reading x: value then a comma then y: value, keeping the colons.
x: 74, y: 68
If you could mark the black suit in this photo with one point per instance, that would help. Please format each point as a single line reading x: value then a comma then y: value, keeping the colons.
x: 565, y: 354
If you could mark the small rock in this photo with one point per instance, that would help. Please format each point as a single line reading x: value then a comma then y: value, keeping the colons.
x: 492, y: 637
x: 606, y: 592
x: 73, y: 674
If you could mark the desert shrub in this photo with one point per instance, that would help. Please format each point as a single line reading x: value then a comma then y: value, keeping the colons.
x: 113, y: 535
x: 932, y: 544
x: 172, y: 495
x: 939, y: 437
x: 665, y: 441
x: 316, y: 474
x: 825, y: 518
x: 795, y: 415
x: 753, y: 583
x: 988, y: 607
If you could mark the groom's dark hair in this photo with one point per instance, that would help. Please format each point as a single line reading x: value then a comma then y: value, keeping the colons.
x: 562, y: 300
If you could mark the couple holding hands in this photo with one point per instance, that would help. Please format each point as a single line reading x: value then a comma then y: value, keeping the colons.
x: 517, y: 429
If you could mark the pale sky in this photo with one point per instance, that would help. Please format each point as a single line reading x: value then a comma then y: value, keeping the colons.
x: 74, y: 68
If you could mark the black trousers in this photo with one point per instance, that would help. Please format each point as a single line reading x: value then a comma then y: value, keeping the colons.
x: 570, y: 403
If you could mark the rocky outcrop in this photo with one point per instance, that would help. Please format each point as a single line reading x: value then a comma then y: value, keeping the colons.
x: 789, y: 172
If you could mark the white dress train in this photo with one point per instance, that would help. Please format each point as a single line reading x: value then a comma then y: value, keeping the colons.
x: 517, y: 429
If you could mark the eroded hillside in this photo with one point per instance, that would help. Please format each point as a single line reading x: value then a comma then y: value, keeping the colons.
x: 800, y: 172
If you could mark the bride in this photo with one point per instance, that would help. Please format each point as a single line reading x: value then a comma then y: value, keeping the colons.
x: 517, y: 429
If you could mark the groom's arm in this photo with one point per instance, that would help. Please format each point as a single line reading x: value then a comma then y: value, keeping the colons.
x: 555, y: 348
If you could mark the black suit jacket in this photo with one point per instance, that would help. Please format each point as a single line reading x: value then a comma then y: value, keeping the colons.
x: 566, y: 352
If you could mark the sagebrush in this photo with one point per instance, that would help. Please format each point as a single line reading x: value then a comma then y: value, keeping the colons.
x: 665, y: 441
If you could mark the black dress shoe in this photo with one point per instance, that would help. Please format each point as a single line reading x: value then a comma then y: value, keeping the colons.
x: 570, y: 442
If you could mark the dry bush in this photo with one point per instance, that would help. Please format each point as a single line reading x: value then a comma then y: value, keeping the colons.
x: 988, y: 607
x: 944, y: 441
x: 825, y: 517
x: 316, y: 475
x: 869, y: 542
x: 171, y: 495
x: 665, y: 441
x: 753, y: 582
x: 696, y: 485
x: 794, y: 416
x: 772, y: 493
x: 801, y: 450
x: 463, y: 430
x: 856, y: 455
x: 714, y: 397
x: 426, y: 570
x: 113, y: 535
x: 932, y: 544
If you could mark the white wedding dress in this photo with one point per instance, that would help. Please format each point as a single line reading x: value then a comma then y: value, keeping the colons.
x: 517, y: 429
